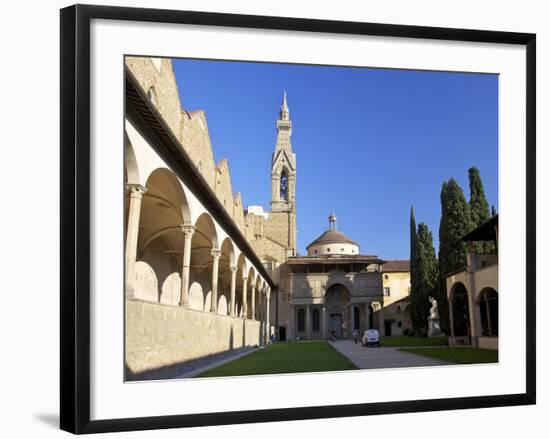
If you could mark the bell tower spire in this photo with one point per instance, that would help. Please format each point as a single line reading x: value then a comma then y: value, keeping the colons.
x: 283, y: 177
x: 283, y: 164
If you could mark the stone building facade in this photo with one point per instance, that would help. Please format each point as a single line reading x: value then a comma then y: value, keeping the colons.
x: 205, y: 276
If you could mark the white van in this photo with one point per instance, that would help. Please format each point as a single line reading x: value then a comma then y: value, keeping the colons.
x: 371, y: 337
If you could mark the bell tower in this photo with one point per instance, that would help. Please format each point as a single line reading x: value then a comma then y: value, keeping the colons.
x: 283, y: 180
x: 283, y: 165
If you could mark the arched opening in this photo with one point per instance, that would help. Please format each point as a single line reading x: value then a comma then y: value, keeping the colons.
x: 250, y: 291
x: 152, y: 96
x: 461, y: 310
x: 284, y: 185
x: 161, y: 244
x: 488, y: 308
x: 227, y: 260
x: 204, y: 240
x: 241, y: 270
x: 337, y: 298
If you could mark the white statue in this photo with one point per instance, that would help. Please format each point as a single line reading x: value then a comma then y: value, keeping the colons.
x: 434, y: 310
x: 433, y: 320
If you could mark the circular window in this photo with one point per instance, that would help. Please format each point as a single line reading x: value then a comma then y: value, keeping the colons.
x: 328, y: 249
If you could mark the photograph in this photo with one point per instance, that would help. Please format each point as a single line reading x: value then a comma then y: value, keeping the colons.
x: 286, y: 218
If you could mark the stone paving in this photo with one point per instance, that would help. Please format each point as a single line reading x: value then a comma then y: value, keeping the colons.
x: 378, y: 358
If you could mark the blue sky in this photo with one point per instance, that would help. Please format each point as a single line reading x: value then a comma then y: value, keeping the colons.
x: 369, y: 142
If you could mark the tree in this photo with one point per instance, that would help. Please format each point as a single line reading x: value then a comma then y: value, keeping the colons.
x: 415, y: 286
x: 456, y: 221
x: 426, y: 277
x: 479, y: 208
x: 493, y: 210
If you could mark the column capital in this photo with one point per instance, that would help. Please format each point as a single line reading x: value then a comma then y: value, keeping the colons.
x: 216, y: 253
x: 188, y: 229
x: 245, y: 278
x: 233, y: 269
x: 136, y: 190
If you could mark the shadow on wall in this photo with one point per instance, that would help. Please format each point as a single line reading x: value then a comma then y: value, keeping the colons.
x: 176, y: 370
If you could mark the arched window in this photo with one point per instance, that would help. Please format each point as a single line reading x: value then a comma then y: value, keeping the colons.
x: 284, y: 186
x: 152, y: 96
x: 488, y: 308
x: 315, y: 321
x: 301, y: 320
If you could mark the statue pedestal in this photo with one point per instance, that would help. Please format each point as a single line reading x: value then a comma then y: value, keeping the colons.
x: 434, y: 330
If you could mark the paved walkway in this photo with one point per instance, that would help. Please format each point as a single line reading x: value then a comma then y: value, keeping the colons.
x: 378, y: 358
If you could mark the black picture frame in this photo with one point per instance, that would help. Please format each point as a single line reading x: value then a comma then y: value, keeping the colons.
x: 75, y: 217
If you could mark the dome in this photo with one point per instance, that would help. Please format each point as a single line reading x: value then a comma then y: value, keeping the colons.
x: 333, y: 242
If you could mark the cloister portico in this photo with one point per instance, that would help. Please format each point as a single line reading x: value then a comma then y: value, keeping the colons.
x: 184, y: 255
x: 473, y: 293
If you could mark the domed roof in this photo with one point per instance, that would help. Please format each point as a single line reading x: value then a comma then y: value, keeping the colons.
x: 332, y: 236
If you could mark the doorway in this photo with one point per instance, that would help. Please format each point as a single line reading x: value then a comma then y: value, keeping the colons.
x: 387, y: 327
x: 336, y: 324
x: 282, y: 333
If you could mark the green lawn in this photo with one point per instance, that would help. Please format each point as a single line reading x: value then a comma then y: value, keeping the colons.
x: 460, y: 355
x: 285, y: 358
x: 399, y: 341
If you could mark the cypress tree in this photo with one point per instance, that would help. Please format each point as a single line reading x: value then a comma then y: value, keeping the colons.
x: 416, y: 323
x: 479, y: 208
x: 493, y: 210
x: 456, y: 221
x: 426, y: 281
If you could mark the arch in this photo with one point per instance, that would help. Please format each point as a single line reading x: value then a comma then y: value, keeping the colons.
x: 164, y: 187
x: 488, y: 309
x: 337, y: 292
x: 206, y: 227
x: 131, y: 167
x: 152, y: 95
x: 196, y: 297
x: 161, y: 242
x: 171, y: 288
x: 223, y: 307
x: 461, y: 309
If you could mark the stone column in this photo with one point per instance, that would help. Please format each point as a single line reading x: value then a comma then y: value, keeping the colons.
x: 188, y: 230
x: 308, y: 321
x: 132, y: 230
x: 245, y: 307
x: 324, y: 322
x: 381, y: 318
x: 253, y: 301
x: 451, y: 319
x: 216, y: 253
x: 367, y: 316
x: 291, y: 323
x: 233, y: 287
x: 352, y: 318
x: 267, y: 323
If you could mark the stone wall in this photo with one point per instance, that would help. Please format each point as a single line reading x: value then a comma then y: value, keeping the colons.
x: 158, y: 336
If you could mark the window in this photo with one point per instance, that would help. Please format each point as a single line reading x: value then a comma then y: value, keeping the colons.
x: 386, y: 291
x: 399, y: 324
x: 315, y: 320
x: 301, y: 320
x: 284, y: 186
x: 328, y: 249
x: 342, y: 249
x: 268, y: 265
x: 386, y: 276
x: 356, y: 318
x: 152, y: 96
